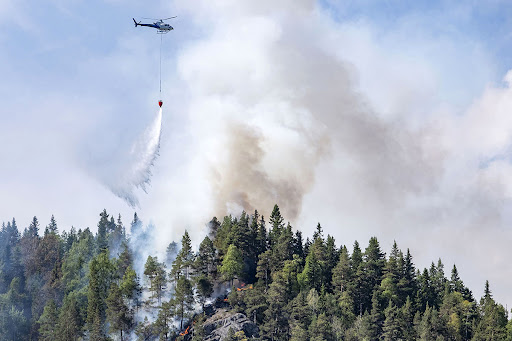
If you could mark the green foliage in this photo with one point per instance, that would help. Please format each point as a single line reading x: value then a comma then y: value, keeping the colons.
x: 392, y: 328
x: 493, y: 323
x: 155, y: 272
x: 205, y: 263
x: 165, y: 317
x: 184, y: 298
x: 232, y: 265
x: 118, y: 314
x: 48, y: 322
x: 130, y: 286
x: 70, y: 320
x: 204, y: 289
x: 101, y: 273
x: 103, y: 229
x: 77, y: 286
x: 144, y: 330
x: 184, y: 259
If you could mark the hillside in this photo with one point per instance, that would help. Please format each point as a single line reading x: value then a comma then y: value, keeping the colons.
x: 249, y: 279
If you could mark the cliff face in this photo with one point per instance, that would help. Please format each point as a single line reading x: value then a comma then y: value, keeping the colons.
x: 217, y: 326
x: 221, y: 320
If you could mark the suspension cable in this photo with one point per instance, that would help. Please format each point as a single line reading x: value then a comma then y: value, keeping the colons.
x: 161, y: 65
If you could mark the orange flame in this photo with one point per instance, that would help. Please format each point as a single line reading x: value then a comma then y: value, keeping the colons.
x: 185, y: 332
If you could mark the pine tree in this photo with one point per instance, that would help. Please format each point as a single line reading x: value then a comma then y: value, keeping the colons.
x: 102, y: 235
x: 171, y: 252
x: 144, y: 330
x: 157, y: 275
x: 263, y: 269
x: 392, y: 274
x: 52, y: 227
x: 184, y: 298
x: 407, y: 321
x: 298, y: 247
x: 125, y: 259
x: 205, y: 261
x: 311, y: 276
x: 407, y: 284
x: 232, y: 265
x: 117, y: 237
x: 493, y: 323
x: 298, y: 333
x: 48, y: 322
x: 261, y: 237
x: 358, y: 279
x: 118, y: 315
x: 276, y: 322
x: 392, y: 328
x: 276, y: 226
x: 376, y: 316
x: 199, y: 332
x: 130, y: 287
x: 342, y: 273
x: 204, y: 289
x: 320, y: 329
x: 373, y: 269
x: 331, y: 259
x: 101, y: 274
x: 70, y: 323
x: 282, y: 249
x: 213, y: 227
x: 184, y: 260
x: 135, y: 226
x: 256, y: 304
x: 164, y: 320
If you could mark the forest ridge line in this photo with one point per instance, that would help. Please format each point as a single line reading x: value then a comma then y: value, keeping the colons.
x: 77, y: 285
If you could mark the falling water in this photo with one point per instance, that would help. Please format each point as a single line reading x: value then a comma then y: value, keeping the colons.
x: 137, y: 171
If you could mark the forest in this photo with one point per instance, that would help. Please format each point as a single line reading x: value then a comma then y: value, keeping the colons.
x: 77, y: 285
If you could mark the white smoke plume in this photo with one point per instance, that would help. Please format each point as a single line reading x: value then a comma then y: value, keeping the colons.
x: 278, y: 112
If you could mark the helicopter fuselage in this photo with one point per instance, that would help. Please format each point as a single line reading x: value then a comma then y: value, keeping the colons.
x: 159, y: 25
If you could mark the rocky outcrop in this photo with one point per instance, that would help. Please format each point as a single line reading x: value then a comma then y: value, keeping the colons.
x: 217, y: 326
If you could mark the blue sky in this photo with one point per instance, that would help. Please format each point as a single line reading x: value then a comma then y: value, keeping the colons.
x: 375, y: 113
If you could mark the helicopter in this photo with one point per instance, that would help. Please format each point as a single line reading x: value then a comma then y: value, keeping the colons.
x: 160, y: 25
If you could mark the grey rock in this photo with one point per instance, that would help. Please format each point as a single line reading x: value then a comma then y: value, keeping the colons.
x: 217, y: 326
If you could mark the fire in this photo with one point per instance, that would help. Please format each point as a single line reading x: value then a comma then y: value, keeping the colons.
x: 185, y: 332
x: 244, y: 287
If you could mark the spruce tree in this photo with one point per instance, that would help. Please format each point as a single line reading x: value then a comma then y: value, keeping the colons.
x: 103, y: 228
x: 118, y: 314
x: 130, y: 287
x: 70, y: 323
x: 101, y: 274
x: 342, y: 274
x: 205, y: 263
x: 52, y: 227
x: 392, y: 328
x: 48, y: 322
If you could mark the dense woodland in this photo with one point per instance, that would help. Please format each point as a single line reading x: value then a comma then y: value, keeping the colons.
x: 77, y: 285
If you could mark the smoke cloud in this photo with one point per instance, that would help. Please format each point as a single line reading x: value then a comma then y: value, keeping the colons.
x: 286, y: 106
x: 278, y: 104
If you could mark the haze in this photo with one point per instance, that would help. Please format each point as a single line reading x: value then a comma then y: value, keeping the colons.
x: 388, y: 120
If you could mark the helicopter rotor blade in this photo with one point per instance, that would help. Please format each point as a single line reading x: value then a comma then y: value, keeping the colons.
x: 160, y: 18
